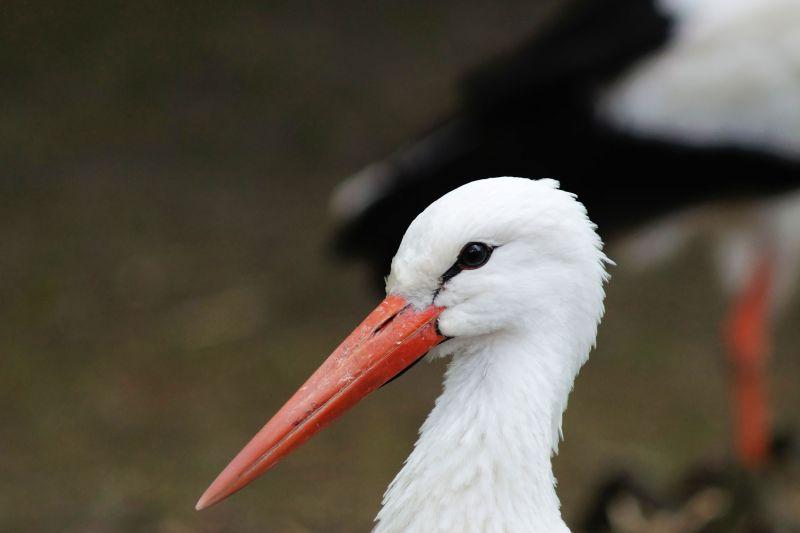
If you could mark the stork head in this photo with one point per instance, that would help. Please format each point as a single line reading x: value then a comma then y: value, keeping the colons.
x: 494, y: 257
x: 502, y: 255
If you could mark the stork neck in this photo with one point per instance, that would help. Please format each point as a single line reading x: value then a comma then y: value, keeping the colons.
x: 482, y: 462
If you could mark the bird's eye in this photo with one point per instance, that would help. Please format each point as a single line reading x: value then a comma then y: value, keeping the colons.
x: 474, y: 255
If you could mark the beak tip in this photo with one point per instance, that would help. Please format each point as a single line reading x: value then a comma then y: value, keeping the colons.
x: 205, y: 501
x: 200, y: 505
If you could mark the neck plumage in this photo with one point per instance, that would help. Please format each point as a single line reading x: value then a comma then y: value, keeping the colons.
x: 482, y: 462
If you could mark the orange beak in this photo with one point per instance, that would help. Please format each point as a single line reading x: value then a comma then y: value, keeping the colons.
x: 388, y: 341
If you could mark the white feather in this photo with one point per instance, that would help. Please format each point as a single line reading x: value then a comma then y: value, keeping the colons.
x: 730, y: 76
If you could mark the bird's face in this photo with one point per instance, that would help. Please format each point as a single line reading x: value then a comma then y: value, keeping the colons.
x: 495, y: 256
x: 499, y: 256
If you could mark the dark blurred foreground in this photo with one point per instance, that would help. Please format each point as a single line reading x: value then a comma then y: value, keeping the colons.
x: 164, y: 284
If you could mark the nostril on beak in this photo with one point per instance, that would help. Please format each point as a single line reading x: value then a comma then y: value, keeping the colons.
x: 388, y: 320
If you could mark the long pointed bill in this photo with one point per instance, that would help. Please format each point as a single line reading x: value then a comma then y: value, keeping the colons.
x: 388, y: 341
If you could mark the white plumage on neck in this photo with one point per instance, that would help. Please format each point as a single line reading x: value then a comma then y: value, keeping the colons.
x: 522, y: 326
x: 482, y: 462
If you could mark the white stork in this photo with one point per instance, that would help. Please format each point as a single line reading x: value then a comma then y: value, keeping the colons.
x: 505, y: 276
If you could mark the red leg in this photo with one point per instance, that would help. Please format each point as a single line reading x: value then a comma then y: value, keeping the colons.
x: 746, y: 336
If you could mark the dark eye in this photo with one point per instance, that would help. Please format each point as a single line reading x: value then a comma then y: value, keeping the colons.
x: 474, y: 255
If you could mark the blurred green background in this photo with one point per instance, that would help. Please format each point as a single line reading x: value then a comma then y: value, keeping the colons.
x: 166, y: 282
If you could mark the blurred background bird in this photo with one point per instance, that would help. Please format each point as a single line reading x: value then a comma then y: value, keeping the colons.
x: 160, y: 164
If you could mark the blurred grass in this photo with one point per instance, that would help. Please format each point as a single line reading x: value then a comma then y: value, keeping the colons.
x: 164, y: 285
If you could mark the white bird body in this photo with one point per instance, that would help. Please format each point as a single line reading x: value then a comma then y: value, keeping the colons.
x: 521, y: 328
x: 730, y: 76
